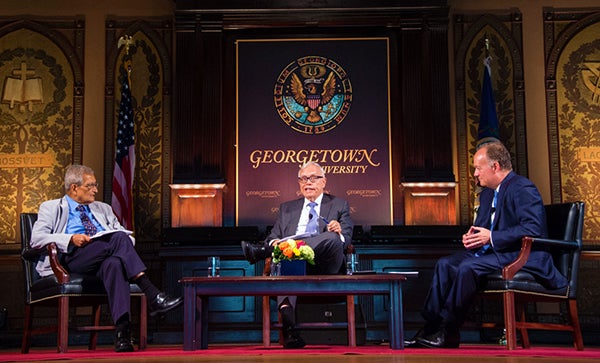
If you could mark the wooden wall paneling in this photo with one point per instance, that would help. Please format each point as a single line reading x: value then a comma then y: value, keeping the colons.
x: 187, y: 131
x: 420, y: 104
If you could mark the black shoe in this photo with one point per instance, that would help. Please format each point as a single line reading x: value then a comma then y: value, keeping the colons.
x: 163, y: 303
x: 291, y: 337
x: 123, y: 340
x: 441, y: 339
x: 413, y: 342
x: 255, y: 253
x: 293, y: 341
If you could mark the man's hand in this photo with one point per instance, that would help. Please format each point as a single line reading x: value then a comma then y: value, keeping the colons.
x: 476, y: 237
x: 80, y: 240
x: 334, y: 226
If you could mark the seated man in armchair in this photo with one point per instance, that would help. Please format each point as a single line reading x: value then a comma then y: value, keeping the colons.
x: 70, y: 222
x: 328, y: 221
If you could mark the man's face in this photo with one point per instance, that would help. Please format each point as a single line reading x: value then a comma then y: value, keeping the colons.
x: 311, y: 189
x: 485, y: 171
x: 86, y: 192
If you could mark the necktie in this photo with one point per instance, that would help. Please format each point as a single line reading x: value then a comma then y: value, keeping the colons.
x: 483, y: 249
x: 313, y: 220
x: 90, y: 229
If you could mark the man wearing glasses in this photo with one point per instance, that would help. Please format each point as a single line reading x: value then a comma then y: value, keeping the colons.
x: 92, y: 241
x: 326, y: 219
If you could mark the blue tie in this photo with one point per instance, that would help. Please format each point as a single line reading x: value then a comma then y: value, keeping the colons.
x: 313, y: 220
x: 90, y: 229
x: 484, y: 249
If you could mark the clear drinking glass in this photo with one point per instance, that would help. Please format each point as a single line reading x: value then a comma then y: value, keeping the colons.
x: 351, y: 263
x: 214, y: 266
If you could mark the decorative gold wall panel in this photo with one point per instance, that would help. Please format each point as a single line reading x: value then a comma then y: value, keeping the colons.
x: 40, y: 113
x: 504, y: 34
x: 573, y: 106
x: 150, y: 88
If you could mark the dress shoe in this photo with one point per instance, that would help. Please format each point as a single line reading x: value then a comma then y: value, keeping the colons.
x: 443, y: 338
x: 413, y: 342
x: 293, y: 340
x: 163, y: 303
x: 291, y: 337
x: 123, y: 340
x: 255, y: 253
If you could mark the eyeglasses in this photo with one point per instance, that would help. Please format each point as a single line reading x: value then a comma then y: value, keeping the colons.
x: 91, y: 185
x: 312, y: 178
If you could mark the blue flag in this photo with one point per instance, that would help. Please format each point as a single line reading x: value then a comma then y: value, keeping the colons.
x: 488, y: 118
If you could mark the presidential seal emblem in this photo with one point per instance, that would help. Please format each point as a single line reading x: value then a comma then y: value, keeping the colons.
x: 313, y: 94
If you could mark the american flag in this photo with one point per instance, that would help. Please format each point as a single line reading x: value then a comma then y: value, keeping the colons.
x: 122, y: 201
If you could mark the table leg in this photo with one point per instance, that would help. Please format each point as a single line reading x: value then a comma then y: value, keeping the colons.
x: 396, y: 321
x: 202, y: 322
x: 189, y: 317
x: 266, y: 321
x: 350, y: 308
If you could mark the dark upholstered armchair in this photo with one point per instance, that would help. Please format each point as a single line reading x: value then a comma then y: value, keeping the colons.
x: 517, y: 288
x: 64, y: 290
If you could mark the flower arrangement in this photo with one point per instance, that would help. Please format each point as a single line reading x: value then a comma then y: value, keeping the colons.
x: 293, y: 250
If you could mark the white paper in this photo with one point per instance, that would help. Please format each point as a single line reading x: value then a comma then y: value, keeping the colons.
x: 104, y: 233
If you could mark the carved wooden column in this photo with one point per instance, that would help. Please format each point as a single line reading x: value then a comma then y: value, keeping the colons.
x: 429, y: 203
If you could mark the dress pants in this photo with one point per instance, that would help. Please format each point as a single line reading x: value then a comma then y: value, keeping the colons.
x: 454, y: 285
x: 115, y: 261
x: 329, y: 258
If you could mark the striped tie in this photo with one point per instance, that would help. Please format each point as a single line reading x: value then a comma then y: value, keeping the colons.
x: 313, y: 220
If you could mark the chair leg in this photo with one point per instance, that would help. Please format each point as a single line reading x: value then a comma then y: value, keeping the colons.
x: 524, y: 334
x: 96, y: 313
x: 143, y: 323
x: 509, y: 319
x: 63, y: 324
x: 26, y: 341
x: 577, y: 337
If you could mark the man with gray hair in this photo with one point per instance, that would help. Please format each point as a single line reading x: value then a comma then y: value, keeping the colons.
x: 326, y: 218
x: 71, y: 222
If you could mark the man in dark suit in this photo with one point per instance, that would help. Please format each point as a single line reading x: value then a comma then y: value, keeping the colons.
x: 510, y: 208
x: 328, y: 220
x: 70, y: 222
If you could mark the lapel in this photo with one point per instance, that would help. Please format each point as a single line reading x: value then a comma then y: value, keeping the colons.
x: 294, y: 212
x: 325, y: 209
x: 500, y: 199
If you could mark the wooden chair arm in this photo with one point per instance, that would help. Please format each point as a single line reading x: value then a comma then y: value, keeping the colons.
x: 62, y: 276
x: 509, y: 271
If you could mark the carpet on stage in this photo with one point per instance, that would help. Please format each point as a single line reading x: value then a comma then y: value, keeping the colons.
x: 106, y: 352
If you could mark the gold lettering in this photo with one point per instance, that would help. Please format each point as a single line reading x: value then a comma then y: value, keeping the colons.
x: 352, y: 160
x: 38, y: 160
x: 589, y: 154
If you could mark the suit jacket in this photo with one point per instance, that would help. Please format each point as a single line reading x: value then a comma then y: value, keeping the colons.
x: 51, y: 224
x: 332, y: 208
x: 519, y: 212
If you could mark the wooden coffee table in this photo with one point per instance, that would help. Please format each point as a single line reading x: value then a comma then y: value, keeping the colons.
x: 198, y: 291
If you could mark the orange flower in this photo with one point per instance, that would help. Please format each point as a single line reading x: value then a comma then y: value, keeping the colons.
x: 288, y: 252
